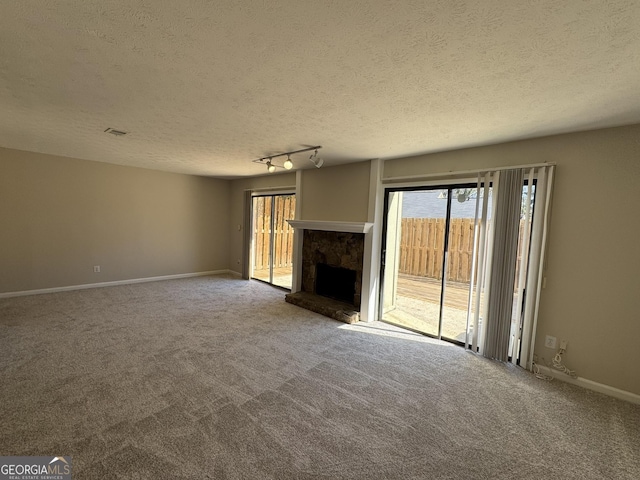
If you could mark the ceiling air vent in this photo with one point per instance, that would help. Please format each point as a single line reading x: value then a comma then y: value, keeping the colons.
x: 113, y: 131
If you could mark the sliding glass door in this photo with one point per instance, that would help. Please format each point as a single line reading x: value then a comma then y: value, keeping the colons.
x: 453, y: 270
x: 427, y: 259
x: 272, y: 242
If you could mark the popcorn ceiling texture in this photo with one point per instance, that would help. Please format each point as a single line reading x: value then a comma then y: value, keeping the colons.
x: 205, y: 87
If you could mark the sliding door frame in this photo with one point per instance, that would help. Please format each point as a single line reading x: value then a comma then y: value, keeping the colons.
x: 251, y: 250
x: 425, y: 186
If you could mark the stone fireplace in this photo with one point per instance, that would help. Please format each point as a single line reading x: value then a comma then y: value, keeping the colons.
x: 331, y: 270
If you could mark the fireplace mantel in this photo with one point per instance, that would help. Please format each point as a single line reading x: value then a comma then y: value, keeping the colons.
x: 352, y: 227
x: 354, y: 254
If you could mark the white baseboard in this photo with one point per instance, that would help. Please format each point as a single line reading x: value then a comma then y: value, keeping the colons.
x: 591, y: 385
x: 110, y: 284
x: 234, y: 273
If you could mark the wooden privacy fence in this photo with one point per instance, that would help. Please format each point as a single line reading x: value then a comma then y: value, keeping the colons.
x: 422, y: 246
x: 284, y: 209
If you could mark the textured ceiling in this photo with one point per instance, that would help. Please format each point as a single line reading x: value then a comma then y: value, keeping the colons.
x: 205, y: 87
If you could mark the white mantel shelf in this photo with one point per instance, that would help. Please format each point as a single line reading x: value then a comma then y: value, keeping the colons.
x: 352, y: 227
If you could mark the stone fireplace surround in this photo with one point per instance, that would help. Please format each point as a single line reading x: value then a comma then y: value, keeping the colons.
x: 338, y: 244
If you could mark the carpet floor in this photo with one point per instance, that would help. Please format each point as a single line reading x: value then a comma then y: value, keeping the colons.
x: 217, y: 377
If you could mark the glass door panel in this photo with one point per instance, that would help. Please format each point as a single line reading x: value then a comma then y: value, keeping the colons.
x: 284, y: 209
x: 413, y: 259
x: 272, y: 252
x: 460, y: 240
x: 262, y: 238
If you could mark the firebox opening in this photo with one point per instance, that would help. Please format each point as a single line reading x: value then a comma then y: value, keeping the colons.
x: 336, y: 282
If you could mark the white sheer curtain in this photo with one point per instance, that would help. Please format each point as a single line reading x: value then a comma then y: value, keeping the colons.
x: 503, y: 307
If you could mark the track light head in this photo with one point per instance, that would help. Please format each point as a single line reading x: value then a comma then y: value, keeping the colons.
x: 316, y: 160
x: 288, y: 164
x: 270, y: 166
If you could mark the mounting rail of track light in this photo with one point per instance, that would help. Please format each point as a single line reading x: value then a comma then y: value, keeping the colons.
x: 288, y: 164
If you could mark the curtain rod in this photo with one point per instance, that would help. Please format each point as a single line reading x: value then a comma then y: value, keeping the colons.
x: 465, y: 172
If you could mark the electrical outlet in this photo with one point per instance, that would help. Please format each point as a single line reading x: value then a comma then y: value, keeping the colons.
x: 563, y: 344
x: 549, y: 341
x: 96, y: 269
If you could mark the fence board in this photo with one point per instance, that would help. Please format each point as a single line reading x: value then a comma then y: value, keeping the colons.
x: 284, y: 209
x: 422, y: 246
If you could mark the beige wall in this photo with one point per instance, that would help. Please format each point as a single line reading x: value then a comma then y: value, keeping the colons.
x: 336, y: 193
x: 592, y: 295
x: 284, y: 181
x: 61, y: 216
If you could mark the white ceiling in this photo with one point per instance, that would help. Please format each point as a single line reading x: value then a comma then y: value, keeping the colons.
x: 205, y: 87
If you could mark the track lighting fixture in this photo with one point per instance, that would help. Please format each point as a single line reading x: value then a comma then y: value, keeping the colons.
x: 288, y: 164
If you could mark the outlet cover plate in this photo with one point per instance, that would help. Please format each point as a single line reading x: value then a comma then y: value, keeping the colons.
x: 549, y: 341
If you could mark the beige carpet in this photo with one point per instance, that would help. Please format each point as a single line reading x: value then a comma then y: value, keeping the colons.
x: 219, y: 378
